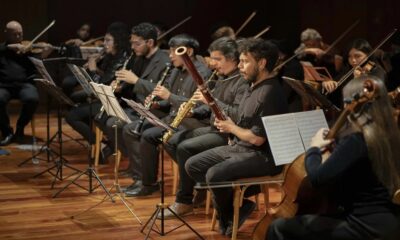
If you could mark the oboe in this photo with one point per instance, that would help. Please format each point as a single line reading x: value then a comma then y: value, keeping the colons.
x: 138, y: 128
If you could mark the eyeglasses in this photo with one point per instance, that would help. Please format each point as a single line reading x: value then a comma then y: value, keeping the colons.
x: 138, y: 43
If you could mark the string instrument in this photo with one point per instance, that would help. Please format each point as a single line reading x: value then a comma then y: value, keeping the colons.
x: 37, y: 48
x: 97, y: 42
x: 29, y: 44
x: 365, y: 69
x: 201, y: 85
x: 346, y: 77
x: 138, y: 128
x: 295, y: 195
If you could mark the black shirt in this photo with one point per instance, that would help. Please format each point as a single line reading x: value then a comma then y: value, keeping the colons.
x: 14, y: 68
x: 264, y: 99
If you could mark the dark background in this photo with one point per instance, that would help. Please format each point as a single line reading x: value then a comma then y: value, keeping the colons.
x: 287, y: 18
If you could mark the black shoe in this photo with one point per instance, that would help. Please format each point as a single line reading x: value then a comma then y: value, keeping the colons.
x: 244, y: 212
x: 142, y: 191
x: 7, y: 139
x: 133, y: 186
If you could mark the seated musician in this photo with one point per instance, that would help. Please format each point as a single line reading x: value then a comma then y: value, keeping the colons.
x: 116, y: 46
x: 178, y: 88
x: 364, y: 172
x: 228, y: 92
x: 16, y: 81
x: 249, y: 154
x: 83, y: 34
x: 312, y: 49
x: 358, y: 50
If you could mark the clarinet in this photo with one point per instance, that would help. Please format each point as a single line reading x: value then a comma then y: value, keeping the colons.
x: 138, y: 128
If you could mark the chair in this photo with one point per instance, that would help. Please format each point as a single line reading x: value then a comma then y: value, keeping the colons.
x: 239, y: 188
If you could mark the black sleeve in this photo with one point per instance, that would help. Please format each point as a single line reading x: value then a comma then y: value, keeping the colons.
x: 347, y: 152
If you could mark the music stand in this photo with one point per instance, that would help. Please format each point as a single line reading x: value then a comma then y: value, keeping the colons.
x: 112, y: 108
x: 309, y: 94
x: 84, y: 79
x: 52, y: 90
x: 139, y: 108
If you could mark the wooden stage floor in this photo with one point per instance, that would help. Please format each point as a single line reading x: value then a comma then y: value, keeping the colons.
x: 28, y: 211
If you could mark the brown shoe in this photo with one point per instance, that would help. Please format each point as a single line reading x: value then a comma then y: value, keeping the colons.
x: 180, y: 209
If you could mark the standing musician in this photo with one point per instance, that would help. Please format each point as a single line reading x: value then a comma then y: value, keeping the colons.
x: 364, y: 171
x: 116, y: 47
x: 149, y: 66
x: 16, y: 81
x: 228, y: 92
x: 179, y: 87
x: 249, y: 154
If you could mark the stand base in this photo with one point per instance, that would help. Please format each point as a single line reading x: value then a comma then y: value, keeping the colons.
x: 112, y: 197
x: 152, y: 220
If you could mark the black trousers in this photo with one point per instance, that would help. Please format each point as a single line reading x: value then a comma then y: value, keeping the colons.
x: 227, y: 163
x: 79, y: 119
x: 28, y: 95
x: 316, y: 227
x: 185, y: 144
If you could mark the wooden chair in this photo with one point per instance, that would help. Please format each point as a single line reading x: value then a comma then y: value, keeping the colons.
x: 239, y: 188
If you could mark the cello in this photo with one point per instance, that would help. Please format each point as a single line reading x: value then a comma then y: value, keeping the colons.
x: 295, y: 186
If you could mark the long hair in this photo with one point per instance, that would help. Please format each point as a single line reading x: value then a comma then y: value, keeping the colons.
x: 381, y: 133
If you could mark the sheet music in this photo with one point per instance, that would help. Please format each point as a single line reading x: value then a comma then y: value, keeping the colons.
x: 153, y: 119
x: 83, y: 79
x: 309, y: 123
x: 283, y: 137
x: 110, y: 102
x: 289, y: 135
x: 87, y: 51
x: 42, y: 69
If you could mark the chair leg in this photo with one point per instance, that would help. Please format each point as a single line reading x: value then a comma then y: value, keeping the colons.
x: 236, y: 207
x: 175, y: 169
x: 99, y: 136
x: 33, y: 126
x: 208, y: 202
x: 213, y: 220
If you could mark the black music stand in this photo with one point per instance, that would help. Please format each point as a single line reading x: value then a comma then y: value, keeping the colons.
x: 309, y: 94
x: 84, y: 79
x: 112, y: 108
x: 160, y: 206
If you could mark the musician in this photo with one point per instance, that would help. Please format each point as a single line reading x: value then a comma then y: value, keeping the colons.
x: 83, y: 35
x: 149, y: 65
x: 363, y: 168
x: 116, y: 47
x: 223, y: 31
x: 359, y: 49
x: 312, y: 49
x: 16, y: 81
x: 228, y: 92
x: 249, y: 154
x: 178, y: 89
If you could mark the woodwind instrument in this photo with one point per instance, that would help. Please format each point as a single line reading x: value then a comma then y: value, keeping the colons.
x: 182, y: 113
x: 138, y: 128
x: 201, y: 85
x: 116, y: 82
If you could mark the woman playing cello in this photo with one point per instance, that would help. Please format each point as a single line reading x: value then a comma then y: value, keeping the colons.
x: 363, y: 170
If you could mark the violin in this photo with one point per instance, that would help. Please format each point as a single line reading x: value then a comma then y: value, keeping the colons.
x: 39, y: 47
x: 365, y: 69
x: 298, y: 195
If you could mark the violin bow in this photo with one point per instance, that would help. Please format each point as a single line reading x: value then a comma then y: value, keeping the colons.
x: 92, y: 41
x: 344, y: 78
x: 245, y: 22
x: 262, y: 32
x: 342, y: 35
x: 174, y: 27
x: 41, y: 33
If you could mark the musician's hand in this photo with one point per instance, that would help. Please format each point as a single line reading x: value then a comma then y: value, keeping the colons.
x: 189, y: 113
x: 329, y: 86
x: 92, y: 64
x: 318, y: 52
x: 77, y: 42
x: 161, y: 92
x: 224, y: 126
x: 198, y: 97
x: 18, y: 48
x: 319, y: 140
x: 127, y: 76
